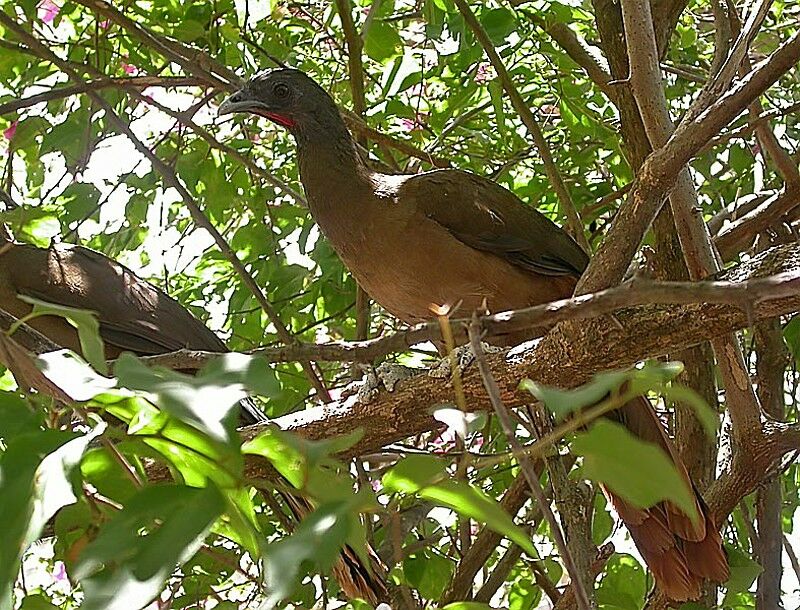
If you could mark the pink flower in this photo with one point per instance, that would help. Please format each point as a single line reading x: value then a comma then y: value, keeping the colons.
x: 129, y: 69
x: 11, y: 130
x: 484, y: 74
x: 59, y: 571
x: 415, y: 124
x: 48, y: 10
x: 105, y: 24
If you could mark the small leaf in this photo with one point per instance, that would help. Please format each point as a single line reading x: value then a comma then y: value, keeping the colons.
x: 638, y: 471
x: 564, y: 402
x: 744, y: 571
x: 467, y: 606
x: 83, y: 320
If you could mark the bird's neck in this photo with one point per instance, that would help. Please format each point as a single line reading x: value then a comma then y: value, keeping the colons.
x: 332, y: 172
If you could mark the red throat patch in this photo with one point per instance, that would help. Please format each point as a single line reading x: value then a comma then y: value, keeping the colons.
x: 280, y: 119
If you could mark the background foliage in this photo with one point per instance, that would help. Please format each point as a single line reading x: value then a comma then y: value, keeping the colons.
x: 69, y: 176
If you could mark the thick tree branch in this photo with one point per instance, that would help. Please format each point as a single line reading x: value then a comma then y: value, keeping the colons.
x: 651, y: 331
x: 537, y: 319
x: 739, y: 235
x: 661, y: 169
x: 742, y: 403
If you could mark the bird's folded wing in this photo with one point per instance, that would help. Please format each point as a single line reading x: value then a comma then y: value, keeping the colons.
x: 488, y: 217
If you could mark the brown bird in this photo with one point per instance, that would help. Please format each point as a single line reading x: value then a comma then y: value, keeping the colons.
x: 446, y: 238
x: 134, y: 316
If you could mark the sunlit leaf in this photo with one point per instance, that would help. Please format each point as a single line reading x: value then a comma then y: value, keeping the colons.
x: 36, y: 480
x: 609, y: 454
x: 121, y: 565
x: 84, y: 321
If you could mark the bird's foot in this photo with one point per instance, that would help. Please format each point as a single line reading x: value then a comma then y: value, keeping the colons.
x: 386, y: 375
x: 464, y: 357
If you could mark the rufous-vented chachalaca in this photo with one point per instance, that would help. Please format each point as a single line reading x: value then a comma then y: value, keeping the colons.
x: 134, y: 316
x: 446, y: 238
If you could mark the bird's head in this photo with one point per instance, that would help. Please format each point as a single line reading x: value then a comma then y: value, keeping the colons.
x: 287, y: 97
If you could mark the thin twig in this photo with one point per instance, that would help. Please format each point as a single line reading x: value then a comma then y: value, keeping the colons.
x: 526, y: 465
x: 745, y: 294
x: 564, y: 198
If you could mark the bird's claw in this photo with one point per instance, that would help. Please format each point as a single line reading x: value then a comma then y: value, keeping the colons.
x: 386, y: 375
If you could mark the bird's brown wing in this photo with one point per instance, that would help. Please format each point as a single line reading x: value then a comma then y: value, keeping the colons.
x: 490, y: 218
x: 133, y: 314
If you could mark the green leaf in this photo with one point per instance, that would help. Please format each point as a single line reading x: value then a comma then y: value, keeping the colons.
x: 35, y: 482
x: 524, y: 594
x: 429, y: 573
x: 602, y: 522
x: 467, y: 606
x: 16, y: 416
x: 122, y: 564
x: 640, y: 472
x: 498, y: 23
x: 564, y: 402
x: 707, y: 417
x: 382, y: 42
x: 414, y: 473
x: 318, y: 540
x: 83, y: 320
x: 624, y: 584
x: 37, y: 602
x: 293, y: 456
x: 209, y: 402
x: 791, y: 335
x: 744, y: 572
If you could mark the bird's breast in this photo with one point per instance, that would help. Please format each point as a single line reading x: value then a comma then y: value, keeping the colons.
x: 412, y: 266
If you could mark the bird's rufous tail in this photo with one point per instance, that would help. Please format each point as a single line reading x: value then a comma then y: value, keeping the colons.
x: 681, y: 553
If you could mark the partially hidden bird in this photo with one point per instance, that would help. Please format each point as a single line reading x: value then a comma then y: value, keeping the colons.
x: 134, y: 315
x: 447, y: 238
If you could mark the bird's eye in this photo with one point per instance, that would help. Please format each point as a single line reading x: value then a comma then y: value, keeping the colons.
x: 280, y: 90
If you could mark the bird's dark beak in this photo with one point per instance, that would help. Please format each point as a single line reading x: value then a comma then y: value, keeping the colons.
x: 241, y: 102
